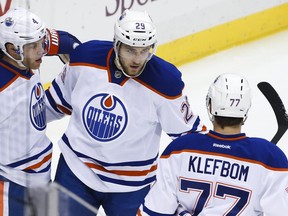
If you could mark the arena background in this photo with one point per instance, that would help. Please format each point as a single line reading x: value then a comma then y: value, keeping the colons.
x: 202, y: 37
x: 187, y: 29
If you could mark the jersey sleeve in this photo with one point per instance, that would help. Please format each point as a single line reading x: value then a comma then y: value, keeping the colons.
x: 275, y: 198
x: 179, y: 112
x: 58, y: 95
x: 61, y: 43
x: 173, y: 109
x: 162, y: 198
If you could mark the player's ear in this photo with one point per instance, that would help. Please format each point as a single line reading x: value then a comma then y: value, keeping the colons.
x: 11, y: 50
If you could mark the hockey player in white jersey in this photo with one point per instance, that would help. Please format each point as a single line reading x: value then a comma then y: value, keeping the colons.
x: 223, y: 172
x: 25, y: 151
x: 120, y: 97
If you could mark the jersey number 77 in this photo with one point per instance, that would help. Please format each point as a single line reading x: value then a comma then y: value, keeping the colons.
x: 205, y: 190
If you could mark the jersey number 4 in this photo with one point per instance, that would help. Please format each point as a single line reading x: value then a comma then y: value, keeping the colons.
x: 222, y: 191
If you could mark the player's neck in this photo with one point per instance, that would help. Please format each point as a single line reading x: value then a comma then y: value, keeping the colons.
x: 227, y: 130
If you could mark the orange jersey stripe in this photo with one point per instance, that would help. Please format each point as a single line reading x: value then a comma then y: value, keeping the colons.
x: 35, y: 166
x: 122, y: 172
x: 88, y: 65
x: 157, y: 92
x: 225, y: 156
x: 230, y: 139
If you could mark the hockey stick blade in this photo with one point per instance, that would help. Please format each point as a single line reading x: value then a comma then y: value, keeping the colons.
x: 278, y: 107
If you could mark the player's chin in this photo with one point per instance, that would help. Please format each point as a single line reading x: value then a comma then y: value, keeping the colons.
x: 36, y: 64
x: 134, y: 71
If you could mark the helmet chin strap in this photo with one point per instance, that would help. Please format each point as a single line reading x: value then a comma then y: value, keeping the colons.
x: 208, y: 108
x: 19, y: 62
x: 211, y: 117
x: 119, y: 66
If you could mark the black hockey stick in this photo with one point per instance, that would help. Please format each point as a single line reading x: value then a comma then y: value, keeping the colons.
x: 278, y: 107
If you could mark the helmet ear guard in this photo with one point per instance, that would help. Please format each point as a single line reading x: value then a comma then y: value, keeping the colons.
x: 229, y: 96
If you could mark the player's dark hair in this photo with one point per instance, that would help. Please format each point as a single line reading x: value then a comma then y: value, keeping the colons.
x: 227, y: 121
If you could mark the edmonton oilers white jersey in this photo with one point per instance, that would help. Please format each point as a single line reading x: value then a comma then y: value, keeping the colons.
x: 216, y: 174
x: 112, y: 140
x: 25, y: 150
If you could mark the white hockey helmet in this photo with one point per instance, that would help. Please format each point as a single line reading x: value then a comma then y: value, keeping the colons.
x: 19, y: 26
x: 136, y: 29
x: 229, y: 96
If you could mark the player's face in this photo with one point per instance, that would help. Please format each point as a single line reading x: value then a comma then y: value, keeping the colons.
x: 33, y: 53
x: 132, y: 59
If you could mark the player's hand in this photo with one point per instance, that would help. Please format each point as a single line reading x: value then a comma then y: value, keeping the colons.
x: 65, y: 58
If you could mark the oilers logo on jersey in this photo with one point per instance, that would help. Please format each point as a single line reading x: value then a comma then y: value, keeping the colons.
x: 37, y: 107
x: 105, y: 117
